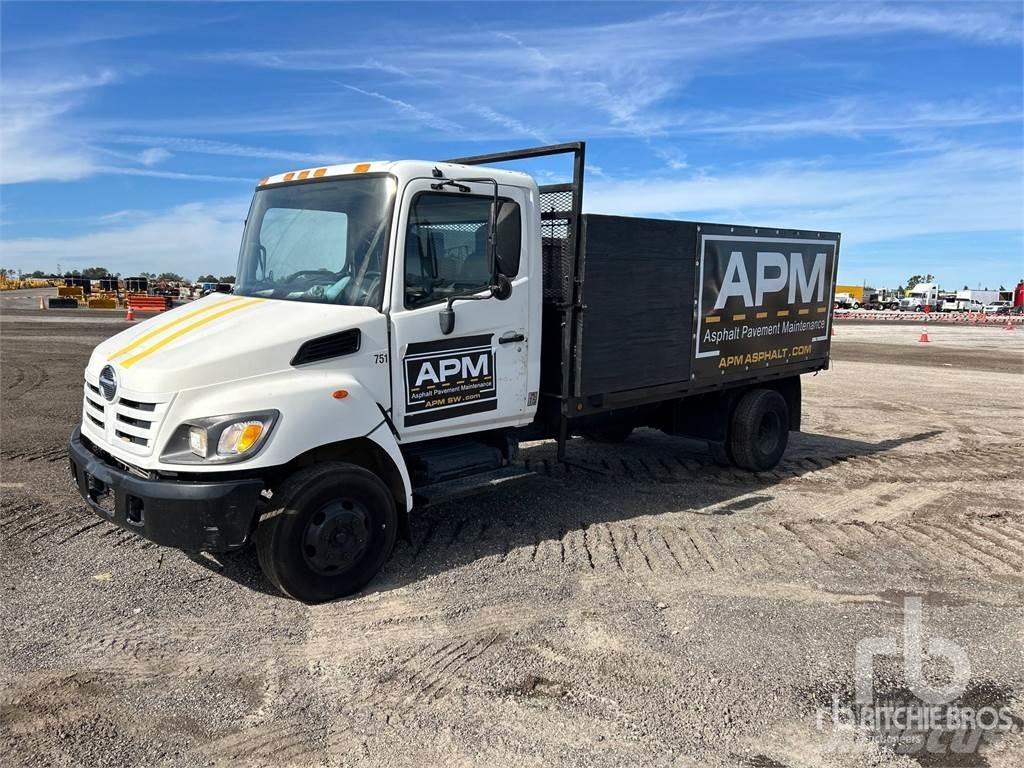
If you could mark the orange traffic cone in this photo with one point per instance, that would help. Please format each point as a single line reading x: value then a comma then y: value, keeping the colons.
x: 1009, y: 325
x: 129, y: 315
x: 924, y: 336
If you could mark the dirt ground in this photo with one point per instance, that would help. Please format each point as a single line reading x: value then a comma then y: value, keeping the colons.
x: 648, y: 609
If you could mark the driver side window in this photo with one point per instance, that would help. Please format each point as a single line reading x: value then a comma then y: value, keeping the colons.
x: 446, y: 246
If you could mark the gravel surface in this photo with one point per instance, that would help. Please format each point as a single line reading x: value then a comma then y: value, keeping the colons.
x: 645, y: 608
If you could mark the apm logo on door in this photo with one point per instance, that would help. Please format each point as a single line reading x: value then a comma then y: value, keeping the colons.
x: 449, y: 378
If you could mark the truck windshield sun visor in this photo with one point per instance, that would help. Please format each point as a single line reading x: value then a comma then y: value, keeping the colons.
x: 319, y: 241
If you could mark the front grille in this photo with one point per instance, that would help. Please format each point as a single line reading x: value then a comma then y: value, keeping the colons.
x: 130, y: 422
x: 108, y: 382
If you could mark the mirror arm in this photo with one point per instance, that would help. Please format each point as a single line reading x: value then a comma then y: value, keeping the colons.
x: 446, y: 316
x: 471, y: 295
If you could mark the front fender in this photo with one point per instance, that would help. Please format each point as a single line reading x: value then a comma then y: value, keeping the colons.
x: 310, y: 416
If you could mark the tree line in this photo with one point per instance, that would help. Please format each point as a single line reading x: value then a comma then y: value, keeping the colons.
x: 98, y: 273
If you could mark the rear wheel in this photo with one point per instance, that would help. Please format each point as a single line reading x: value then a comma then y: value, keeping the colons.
x: 327, y: 532
x: 759, y: 430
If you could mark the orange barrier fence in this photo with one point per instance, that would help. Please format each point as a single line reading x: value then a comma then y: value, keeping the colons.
x: 962, y: 318
x: 142, y: 302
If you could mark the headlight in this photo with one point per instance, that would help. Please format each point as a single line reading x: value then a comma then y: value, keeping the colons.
x: 239, y: 438
x: 197, y: 441
x: 219, y: 439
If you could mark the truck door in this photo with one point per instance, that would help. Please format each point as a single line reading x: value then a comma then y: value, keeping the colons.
x: 476, y: 377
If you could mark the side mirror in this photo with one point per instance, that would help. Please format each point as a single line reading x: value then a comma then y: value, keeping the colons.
x: 508, y: 239
x: 446, y: 317
x: 502, y: 287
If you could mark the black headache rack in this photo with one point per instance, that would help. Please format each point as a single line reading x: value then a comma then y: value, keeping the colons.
x: 626, y: 317
x: 561, y: 220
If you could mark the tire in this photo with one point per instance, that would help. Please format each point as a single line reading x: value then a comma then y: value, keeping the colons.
x: 327, y: 532
x: 759, y: 430
x: 608, y: 433
x: 721, y: 454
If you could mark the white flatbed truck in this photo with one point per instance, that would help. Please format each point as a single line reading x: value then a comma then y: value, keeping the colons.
x: 397, y: 328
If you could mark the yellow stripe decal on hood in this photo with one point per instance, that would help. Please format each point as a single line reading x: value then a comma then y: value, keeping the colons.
x: 177, y: 321
x: 187, y: 329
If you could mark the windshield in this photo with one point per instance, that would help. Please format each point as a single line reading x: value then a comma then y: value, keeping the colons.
x: 324, y: 242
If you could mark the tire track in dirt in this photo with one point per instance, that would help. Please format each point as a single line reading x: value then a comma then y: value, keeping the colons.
x: 645, y: 550
x: 27, y: 521
x: 289, y: 740
x: 975, y: 464
x: 52, y: 454
x: 28, y: 378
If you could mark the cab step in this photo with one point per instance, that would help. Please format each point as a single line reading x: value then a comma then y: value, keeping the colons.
x: 470, y: 485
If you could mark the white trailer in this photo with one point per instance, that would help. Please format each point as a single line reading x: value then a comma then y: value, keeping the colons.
x: 969, y: 300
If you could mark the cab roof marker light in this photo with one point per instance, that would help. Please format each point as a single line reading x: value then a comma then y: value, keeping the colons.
x: 303, y: 174
x: 289, y: 176
x: 263, y: 181
x: 319, y: 172
x: 361, y: 168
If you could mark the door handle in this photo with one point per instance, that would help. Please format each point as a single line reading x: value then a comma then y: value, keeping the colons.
x: 511, y: 337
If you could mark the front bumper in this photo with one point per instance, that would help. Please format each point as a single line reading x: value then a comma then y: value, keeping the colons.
x: 214, y: 516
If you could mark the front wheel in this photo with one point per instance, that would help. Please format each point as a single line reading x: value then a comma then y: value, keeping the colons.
x: 328, y: 531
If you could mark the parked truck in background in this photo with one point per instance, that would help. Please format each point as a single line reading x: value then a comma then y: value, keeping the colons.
x: 397, y: 328
x: 864, y: 297
x: 847, y: 301
x: 920, y: 296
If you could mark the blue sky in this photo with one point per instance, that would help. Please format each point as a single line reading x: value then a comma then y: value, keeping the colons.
x: 131, y: 135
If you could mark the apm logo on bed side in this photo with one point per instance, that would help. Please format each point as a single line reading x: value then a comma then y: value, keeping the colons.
x: 758, y: 277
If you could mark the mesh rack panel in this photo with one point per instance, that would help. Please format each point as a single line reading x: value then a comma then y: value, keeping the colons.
x: 469, y: 226
x: 556, y: 215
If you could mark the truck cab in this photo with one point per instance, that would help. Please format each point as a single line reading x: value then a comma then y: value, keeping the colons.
x: 920, y: 296
x: 396, y: 328
x: 294, y: 369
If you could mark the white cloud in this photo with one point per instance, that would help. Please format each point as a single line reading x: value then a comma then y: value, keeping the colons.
x: 956, y: 189
x: 420, y: 116
x: 960, y: 189
x: 617, y: 79
x: 43, y: 139
x: 854, y: 117
x: 154, y: 156
x: 33, y: 149
x: 188, y: 239
x: 515, y: 126
x: 36, y: 140
x: 184, y: 145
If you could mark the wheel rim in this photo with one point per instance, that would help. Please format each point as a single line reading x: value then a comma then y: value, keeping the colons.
x: 336, y: 536
x: 768, y: 433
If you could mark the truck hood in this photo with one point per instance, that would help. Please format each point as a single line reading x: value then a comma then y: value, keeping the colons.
x: 220, y: 338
